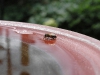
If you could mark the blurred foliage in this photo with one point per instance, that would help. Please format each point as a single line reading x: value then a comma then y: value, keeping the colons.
x: 51, y: 22
x: 82, y: 16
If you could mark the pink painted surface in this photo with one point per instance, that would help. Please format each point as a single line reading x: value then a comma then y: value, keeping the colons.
x: 77, y: 54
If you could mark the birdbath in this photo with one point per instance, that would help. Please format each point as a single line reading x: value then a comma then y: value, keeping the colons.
x: 32, y: 49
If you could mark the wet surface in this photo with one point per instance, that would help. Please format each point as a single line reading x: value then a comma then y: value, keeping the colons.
x: 23, y: 51
x: 23, y: 57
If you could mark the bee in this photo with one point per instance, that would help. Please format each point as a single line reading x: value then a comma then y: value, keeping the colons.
x: 50, y: 36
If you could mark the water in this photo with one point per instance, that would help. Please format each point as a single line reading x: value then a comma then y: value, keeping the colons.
x: 19, y: 54
x: 25, y: 51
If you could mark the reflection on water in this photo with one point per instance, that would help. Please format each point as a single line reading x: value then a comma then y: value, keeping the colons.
x: 25, y: 56
x: 1, y: 51
x: 0, y: 61
x: 20, y: 56
x: 24, y: 73
x: 8, y: 54
x: 2, y: 48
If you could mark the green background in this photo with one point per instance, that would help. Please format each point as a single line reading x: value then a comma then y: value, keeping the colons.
x: 81, y: 16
